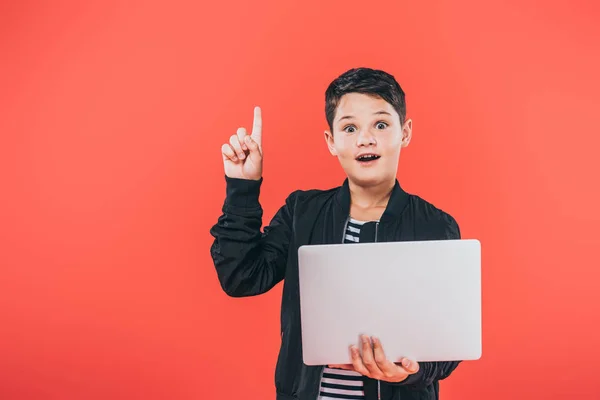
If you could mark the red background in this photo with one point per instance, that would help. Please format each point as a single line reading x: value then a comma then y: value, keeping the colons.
x: 111, y: 119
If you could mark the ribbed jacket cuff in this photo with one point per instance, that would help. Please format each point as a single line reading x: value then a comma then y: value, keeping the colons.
x: 242, y: 193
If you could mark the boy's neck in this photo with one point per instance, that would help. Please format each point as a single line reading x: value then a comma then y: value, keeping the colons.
x: 376, y: 196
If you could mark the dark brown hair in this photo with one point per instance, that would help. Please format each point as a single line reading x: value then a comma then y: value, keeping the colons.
x: 367, y: 81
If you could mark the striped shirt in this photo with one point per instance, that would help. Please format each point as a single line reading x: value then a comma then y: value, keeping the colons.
x: 339, y: 384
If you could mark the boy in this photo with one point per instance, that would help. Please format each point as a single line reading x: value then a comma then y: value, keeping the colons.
x: 366, y: 114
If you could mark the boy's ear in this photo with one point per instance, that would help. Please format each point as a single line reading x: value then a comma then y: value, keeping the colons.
x: 330, y: 144
x: 406, y: 132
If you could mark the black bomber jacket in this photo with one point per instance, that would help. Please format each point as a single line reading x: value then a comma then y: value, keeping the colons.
x: 250, y: 262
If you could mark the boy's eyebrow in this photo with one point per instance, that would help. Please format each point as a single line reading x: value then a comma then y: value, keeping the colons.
x: 376, y: 113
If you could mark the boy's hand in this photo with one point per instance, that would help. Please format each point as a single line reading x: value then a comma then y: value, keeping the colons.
x: 374, y: 364
x: 242, y: 156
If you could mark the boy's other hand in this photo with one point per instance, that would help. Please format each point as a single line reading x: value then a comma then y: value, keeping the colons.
x: 374, y: 364
x: 242, y: 156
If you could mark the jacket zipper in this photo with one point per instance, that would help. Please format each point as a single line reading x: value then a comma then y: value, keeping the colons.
x: 378, y: 381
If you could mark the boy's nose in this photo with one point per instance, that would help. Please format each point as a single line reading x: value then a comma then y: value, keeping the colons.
x: 365, y: 138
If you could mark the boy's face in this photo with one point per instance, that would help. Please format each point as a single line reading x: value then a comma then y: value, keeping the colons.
x: 367, y: 138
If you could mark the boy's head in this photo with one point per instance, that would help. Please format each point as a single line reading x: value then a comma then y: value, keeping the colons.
x: 366, y: 114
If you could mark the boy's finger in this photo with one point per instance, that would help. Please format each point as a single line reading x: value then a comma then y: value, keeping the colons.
x: 385, y: 365
x: 412, y: 367
x: 228, y: 153
x: 241, y: 133
x: 357, y: 362
x: 235, y: 143
x: 368, y: 358
x: 257, y: 126
x: 253, y: 147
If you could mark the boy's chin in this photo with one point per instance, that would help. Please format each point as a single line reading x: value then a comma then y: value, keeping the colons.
x: 370, y: 179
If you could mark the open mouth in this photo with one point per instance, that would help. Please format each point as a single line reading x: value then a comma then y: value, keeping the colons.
x: 367, y: 157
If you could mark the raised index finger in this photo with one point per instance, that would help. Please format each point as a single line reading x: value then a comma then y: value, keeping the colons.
x: 257, y: 126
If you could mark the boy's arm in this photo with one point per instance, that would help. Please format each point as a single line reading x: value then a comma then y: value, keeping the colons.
x: 249, y: 262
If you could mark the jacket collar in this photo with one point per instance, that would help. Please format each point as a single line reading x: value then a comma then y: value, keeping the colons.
x: 396, y: 204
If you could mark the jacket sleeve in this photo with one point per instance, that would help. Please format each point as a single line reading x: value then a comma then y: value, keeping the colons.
x: 249, y: 262
x: 429, y: 372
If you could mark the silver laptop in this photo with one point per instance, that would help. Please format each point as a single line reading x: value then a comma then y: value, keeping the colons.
x: 421, y: 299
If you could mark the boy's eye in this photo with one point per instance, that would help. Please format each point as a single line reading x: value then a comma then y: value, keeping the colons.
x: 381, y: 125
x: 350, y: 129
